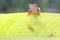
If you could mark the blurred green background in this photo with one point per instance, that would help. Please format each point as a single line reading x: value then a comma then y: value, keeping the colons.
x: 22, y: 5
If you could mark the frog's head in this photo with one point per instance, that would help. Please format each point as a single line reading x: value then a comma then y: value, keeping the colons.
x: 31, y: 5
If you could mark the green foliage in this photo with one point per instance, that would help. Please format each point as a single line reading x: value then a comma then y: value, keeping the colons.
x: 22, y: 5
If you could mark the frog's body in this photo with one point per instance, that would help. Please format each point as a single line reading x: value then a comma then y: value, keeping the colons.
x: 33, y: 8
